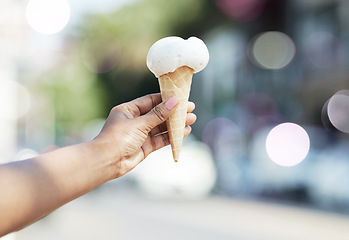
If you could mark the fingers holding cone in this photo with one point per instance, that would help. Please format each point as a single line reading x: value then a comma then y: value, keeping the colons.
x: 190, y: 119
x: 191, y: 107
x: 159, y: 135
x: 173, y: 61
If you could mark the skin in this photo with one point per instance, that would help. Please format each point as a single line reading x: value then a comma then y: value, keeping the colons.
x: 32, y: 188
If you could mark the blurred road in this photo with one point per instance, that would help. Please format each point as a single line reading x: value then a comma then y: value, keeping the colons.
x: 111, y: 212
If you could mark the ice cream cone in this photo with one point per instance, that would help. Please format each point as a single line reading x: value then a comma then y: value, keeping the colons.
x: 177, y: 84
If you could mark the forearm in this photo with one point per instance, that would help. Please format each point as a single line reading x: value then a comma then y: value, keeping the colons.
x: 35, y: 187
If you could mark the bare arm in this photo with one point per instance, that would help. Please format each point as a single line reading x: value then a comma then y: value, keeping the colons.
x: 32, y: 188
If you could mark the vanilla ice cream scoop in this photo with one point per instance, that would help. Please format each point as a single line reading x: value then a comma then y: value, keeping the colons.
x: 173, y: 61
x: 170, y: 53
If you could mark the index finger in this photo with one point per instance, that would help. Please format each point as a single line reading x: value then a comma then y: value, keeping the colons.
x: 146, y: 103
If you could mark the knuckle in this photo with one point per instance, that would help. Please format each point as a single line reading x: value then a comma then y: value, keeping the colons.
x: 159, y: 112
x: 117, y: 108
x: 114, y: 109
x: 153, y: 102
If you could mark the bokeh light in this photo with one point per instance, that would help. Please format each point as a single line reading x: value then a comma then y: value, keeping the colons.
x: 242, y: 10
x: 223, y: 136
x: 48, y: 16
x: 264, y: 174
x: 338, y: 110
x: 325, y: 120
x: 101, y: 52
x: 323, y: 49
x: 272, y: 50
x: 287, y: 144
x: 15, y: 100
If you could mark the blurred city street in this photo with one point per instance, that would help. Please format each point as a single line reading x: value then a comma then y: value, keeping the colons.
x: 111, y: 212
x: 267, y: 158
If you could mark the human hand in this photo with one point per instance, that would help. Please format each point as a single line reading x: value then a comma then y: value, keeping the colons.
x: 43, y: 183
x: 135, y: 129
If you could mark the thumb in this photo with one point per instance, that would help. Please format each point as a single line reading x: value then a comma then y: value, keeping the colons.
x: 160, y: 113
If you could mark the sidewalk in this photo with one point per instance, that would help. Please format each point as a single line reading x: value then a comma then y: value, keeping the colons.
x: 113, y: 213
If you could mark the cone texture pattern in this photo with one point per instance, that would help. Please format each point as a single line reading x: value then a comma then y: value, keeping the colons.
x: 177, y: 84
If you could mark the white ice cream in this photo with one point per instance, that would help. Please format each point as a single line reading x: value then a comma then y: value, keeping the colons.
x: 170, y: 53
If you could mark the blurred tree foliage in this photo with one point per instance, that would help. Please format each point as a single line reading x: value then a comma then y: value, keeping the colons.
x: 81, y: 95
x: 137, y: 27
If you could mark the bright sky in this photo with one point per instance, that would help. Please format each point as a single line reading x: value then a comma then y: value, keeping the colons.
x: 79, y: 7
x: 51, y: 22
x: 50, y: 17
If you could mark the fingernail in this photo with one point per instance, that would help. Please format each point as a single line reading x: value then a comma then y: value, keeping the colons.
x: 171, y: 103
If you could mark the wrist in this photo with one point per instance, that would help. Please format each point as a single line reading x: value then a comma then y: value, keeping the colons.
x: 107, y: 154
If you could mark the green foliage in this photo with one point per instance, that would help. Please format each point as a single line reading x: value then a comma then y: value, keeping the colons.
x: 137, y: 27
x: 81, y: 95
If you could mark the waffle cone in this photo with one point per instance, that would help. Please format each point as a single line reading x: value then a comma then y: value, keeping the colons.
x: 177, y: 84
